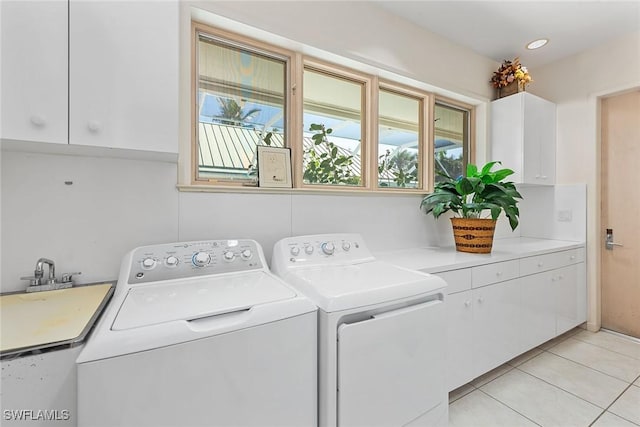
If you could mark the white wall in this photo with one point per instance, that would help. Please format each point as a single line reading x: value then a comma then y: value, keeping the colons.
x: 576, y: 84
x: 114, y: 205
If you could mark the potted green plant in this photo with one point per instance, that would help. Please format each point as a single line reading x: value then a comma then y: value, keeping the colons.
x: 470, y: 198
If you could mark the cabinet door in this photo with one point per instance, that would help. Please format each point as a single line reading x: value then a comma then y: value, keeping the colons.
x: 496, y: 324
x: 34, y: 70
x: 570, y: 286
x: 538, y: 314
x: 507, y: 134
x: 459, y: 339
x: 124, y: 74
x: 539, y: 140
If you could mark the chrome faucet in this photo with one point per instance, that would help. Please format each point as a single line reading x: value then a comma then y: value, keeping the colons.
x: 36, y: 282
x: 39, y: 272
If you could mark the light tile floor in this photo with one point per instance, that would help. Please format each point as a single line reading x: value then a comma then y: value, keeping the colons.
x: 578, y: 379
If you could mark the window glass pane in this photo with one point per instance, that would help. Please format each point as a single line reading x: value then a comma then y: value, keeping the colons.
x: 335, y: 105
x: 451, y: 141
x: 398, y: 140
x: 241, y: 104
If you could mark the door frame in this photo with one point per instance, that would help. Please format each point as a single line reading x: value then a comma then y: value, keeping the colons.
x: 594, y: 282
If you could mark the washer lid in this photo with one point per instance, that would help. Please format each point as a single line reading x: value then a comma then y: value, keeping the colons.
x: 343, y: 287
x: 193, y: 299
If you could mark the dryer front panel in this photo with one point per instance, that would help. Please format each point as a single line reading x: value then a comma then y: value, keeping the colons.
x: 391, y: 366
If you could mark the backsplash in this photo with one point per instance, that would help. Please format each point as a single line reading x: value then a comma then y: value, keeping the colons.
x: 85, y: 213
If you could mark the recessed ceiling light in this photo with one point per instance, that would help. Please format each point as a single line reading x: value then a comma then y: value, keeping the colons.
x: 536, y: 44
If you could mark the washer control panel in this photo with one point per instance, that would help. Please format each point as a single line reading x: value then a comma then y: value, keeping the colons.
x: 192, y: 259
x: 321, y: 249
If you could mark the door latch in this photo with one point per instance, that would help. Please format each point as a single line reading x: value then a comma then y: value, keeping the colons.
x: 609, y: 243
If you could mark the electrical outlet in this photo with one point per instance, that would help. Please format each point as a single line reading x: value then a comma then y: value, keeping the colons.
x: 565, y: 215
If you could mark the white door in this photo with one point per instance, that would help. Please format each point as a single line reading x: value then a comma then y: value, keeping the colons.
x: 391, y: 368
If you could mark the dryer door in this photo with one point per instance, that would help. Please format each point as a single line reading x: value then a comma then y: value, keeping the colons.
x: 391, y: 367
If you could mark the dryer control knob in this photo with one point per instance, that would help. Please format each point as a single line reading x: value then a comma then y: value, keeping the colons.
x: 148, y: 263
x: 308, y: 249
x: 246, y: 254
x: 346, y: 246
x: 171, y: 261
x: 201, y: 259
x: 295, y: 251
x: 328, y: 248
x: 229, y: 256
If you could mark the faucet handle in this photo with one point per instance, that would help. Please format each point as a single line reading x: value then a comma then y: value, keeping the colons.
x: 67, y: 277
x: 33, y: 280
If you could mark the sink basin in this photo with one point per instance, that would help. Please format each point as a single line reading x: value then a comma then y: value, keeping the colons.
x: 30, y: 321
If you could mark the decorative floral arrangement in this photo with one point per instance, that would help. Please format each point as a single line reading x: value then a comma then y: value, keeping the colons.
x: 509, y: 72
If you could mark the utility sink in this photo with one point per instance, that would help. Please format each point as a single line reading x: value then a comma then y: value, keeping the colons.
x: 30, y: 321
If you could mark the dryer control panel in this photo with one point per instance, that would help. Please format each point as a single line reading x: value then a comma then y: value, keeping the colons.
x: 192, y: 259
x: 320, y: 249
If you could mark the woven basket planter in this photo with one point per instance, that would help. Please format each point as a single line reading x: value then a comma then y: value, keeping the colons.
x: 474, y: 235
x: 512, y: 88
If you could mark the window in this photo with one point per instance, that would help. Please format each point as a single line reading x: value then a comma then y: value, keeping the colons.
x: 347, y: 130
x: 333, y: 129
x: 451, y: 140
x: 400, y: 139
x: 242, y: 103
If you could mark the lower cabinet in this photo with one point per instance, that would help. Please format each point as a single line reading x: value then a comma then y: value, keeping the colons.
x: 538, y: 314
x: 570, y: 297
x: 489, y: 325
x: 496, y: 325
x: 459, y: 339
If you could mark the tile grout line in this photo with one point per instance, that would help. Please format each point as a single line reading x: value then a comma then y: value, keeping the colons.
x: 606, y: 348
x: 504, y: 404
x: 612, y: 403
x: 590, y: 367
x: 566, y: 391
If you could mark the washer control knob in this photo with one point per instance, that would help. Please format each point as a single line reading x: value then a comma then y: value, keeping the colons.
x: 346, y: 246
x: 148, y: 263
x: 308, y: 249
x: 229, y: 256
x: 171, y: 261
x: 201, y: 259
x: 295, y: 251
x: 328, y: 248
x: 246, y: 254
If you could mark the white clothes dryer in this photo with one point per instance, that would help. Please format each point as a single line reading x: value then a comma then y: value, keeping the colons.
x: 381, y: 332
x: 200, y: 334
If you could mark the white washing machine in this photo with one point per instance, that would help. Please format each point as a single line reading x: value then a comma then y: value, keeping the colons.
x: 381, y: 333
x: 200, y: 333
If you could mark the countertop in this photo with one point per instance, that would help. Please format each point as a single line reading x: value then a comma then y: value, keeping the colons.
x: 45, y: 319
x: 437, y: 259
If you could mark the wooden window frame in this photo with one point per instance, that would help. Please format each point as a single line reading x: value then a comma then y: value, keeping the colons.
x: 295, y: 64
x: 249, y: 44
x: 366, y: 81
x: 425, y: 135
x: 468, y: 151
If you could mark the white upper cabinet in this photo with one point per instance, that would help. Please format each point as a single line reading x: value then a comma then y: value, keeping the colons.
x: 523, y: 137
x: 34, y: 70
x: 123, y: 74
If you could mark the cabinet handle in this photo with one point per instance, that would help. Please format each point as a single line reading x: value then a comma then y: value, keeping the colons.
x: 94, y: 126
x: 480, y: 299
x: 560, y: 277
x: 572, y: 257
x: 543, y: 177
x: 38, y: 120
x: 540, y: 264
x: 467, y: 303
x: 499, y: 273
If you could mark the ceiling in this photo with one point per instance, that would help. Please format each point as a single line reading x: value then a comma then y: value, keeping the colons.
x: 501, y: 29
